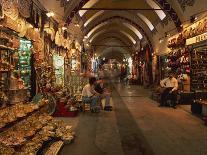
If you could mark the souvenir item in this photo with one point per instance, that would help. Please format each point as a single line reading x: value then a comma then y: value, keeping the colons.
x: 1, y: 12
x: 24, y: 26
x: 50, y: 31
x: 15, y: 43
x: 24, y: 7
x: 57, y: 39
x: 30, y: 34
x: 10, y: 8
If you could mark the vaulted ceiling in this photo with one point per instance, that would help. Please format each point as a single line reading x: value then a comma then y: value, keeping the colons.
x: 120, y: 25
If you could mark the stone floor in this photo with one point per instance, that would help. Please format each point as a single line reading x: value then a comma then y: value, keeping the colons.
x: 137, y: 126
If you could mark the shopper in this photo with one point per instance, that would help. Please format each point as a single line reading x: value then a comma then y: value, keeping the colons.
x: 100, y: 72
x: 170, y: 87
x: 90, y: 96
x: 105, y: 94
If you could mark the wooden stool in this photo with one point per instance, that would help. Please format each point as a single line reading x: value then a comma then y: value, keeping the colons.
x: 86, y: 106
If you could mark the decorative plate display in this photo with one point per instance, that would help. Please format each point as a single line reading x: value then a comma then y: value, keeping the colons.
x: 10, y: 8
x: 24, y: 8
x: 59, y: 61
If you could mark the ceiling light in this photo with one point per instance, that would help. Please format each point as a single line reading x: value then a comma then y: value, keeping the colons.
x: 77, y: 25
x: 50, y: 14
x: 87, y: 44
x: 160, y: 40
x: 193, y: 19
x: 64, y: 28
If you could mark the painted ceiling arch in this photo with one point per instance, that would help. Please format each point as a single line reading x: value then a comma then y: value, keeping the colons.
x: 115, y: 27
x: 162, y: 3
x: 132, y: 18
x: 112, y: 34
x: 111, y: 42
x: 114, y: 52
x: 123, y: 19
x: 102, y: 13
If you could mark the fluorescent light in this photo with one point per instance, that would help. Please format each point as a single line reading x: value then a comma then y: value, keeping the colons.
x: 64, y: 28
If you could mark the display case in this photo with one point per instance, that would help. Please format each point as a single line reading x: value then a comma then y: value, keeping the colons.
x: 24, y: 67
x: 199, y: 69
x: 12, y: 71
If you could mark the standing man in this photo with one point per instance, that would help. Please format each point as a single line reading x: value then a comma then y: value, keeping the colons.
x: 170, y: 85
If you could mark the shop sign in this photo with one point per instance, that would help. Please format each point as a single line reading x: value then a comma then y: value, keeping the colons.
x: 196, y: 39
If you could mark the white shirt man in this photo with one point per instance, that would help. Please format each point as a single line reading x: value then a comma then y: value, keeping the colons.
x: 88, y: 91
x: 171, y: 85
x: 170, y: 82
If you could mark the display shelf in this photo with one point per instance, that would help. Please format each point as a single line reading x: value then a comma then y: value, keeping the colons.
x: 3, y: 47
x: 11, y: 116
x: 30, y: 133
x: 198, y: 69
x: 4, y: 71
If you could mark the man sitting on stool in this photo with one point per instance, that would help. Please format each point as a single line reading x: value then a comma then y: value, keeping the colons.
x: 89, y: 95
x: 170, y: 86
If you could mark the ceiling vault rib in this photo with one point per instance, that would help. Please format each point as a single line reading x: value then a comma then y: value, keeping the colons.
x: 122, y: 9
x: 127, y: 20
x: 110, y: 45
x: 163, y: 3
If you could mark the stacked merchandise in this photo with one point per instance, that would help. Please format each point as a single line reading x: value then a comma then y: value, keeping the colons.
x: 179, y: 62
x: 199, y: 69
x: 26, y: 128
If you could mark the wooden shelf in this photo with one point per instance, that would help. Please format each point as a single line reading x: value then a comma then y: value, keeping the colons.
x: 6, y: 48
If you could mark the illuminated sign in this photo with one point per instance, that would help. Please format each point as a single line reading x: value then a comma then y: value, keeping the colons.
x: 196, y: 39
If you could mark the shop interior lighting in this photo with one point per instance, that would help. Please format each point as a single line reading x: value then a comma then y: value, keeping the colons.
x: 64, y: 28
x: 160, y: 40
x: 193, y: 19
x: 77, y: 25
x: 50, y: 14
x: 167, y: 34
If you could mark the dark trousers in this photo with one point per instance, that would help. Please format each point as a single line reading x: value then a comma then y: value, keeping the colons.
x: 166, y: 95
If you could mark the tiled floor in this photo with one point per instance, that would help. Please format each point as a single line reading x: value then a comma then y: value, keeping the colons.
x: 137, y: 126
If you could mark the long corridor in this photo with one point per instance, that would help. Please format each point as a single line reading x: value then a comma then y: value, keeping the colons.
x: 137, y: 126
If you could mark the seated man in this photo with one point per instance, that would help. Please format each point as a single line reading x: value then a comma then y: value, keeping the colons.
x: 170, y: 86
x: 89, y: 95
x: 103, y: 93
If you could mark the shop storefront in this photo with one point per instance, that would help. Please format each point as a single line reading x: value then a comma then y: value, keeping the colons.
x: 188, y: 59
x: 29, y: 65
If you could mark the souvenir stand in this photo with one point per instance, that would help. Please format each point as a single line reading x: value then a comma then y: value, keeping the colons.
x: 25, y: 127
x: 178, y: 61
x: 198, y: 46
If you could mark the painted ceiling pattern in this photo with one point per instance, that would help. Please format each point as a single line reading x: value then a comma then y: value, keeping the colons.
x: 185, y: 3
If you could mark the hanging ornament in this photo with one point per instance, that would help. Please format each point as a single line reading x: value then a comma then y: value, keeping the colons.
x: 10, y: 8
